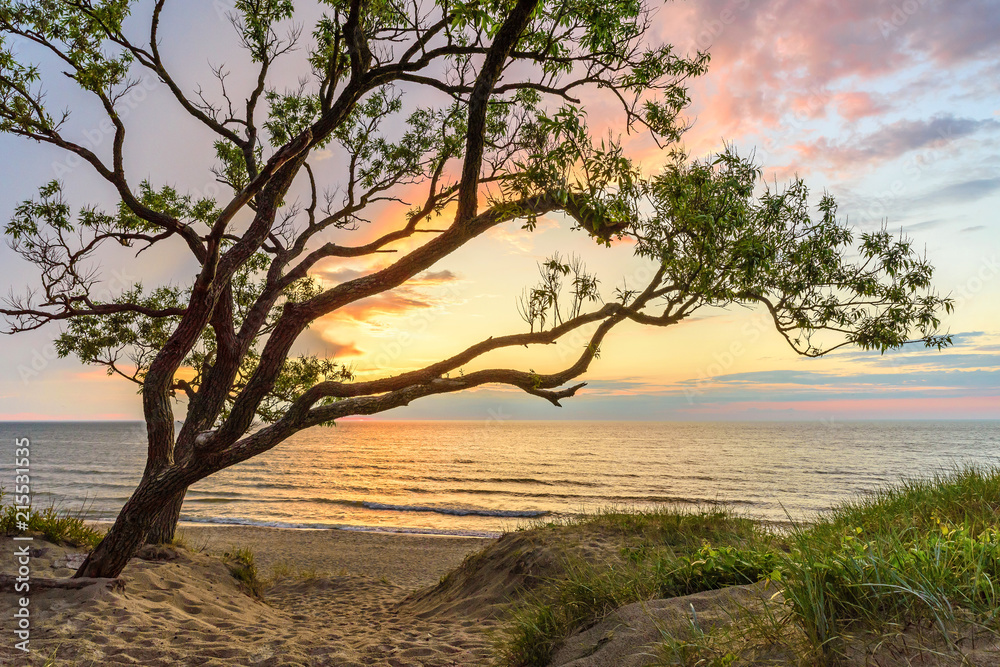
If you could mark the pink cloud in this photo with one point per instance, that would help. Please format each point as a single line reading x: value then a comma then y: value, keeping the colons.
x: 945, y: 407
x: 775, y: 59
x: 48, y: 416
x: 858, y: 105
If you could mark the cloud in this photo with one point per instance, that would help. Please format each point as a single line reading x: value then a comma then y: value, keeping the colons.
x: 927, y: 224
x: 388, y: 303
x: 321, y: 342
x: 855, y: 106
x: 521, y: 239
x: 433, y: 278
x: 339, y: 350
x: 778, y: 64
x: 431, y: 289
x: 950, y: 376
x: 949, y: 32
x: 346, y: 274
x: 969, y: 350
x: 894, y: 140
x: 965, y: 192
x: 829, y: 410
x: 588, y: 405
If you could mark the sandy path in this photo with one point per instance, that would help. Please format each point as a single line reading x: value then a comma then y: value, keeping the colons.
x: 407, y: 560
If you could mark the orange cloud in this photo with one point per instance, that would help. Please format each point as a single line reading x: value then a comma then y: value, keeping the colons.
x: 339, y: 350
x: 375, y: 313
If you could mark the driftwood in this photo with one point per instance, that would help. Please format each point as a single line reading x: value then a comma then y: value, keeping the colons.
x: 7, y: 582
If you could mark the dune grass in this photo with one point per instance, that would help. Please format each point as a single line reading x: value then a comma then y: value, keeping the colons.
x: 923, y: 553
x: 664, y: 553
x: 242, y: 564
x: 59, y: 526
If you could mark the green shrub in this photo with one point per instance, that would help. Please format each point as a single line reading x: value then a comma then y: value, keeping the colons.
x: 58, y: 526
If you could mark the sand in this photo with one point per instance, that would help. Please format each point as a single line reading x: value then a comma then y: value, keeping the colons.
x: 341, y: 598
x: 350, y: 598
x: 404, y: 559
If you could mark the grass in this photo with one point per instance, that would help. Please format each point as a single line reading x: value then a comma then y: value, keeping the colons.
x: 924, y: 552
x: 285, y: 570
x: 666, y: 527
x: 57, y: 525
x: 918, y: 562
x: 665, y: 553
x: 243, y: 566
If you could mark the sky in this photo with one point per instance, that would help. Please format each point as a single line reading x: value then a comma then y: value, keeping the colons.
x: 892, y: 107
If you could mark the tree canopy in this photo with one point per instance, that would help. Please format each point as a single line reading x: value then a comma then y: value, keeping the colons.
x: 480, y: 105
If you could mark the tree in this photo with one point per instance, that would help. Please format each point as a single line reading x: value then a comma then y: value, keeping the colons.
x: 500, y: 134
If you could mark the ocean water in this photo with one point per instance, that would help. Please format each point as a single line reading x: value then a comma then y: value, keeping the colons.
x: 485, y: 477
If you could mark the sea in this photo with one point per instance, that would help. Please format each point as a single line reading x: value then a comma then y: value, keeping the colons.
x: 483, y: 478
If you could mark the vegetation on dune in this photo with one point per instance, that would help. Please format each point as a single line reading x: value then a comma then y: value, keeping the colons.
x: 919, y: 562
x: 926, y: 551
x: 664, y: 553
x: 58, y: 526
x: 242, y: 565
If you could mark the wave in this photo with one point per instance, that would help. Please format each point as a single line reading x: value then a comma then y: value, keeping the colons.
x: 421, y: 531
x: 128, y: 485
x: 240, y: 521
x: 390, y: 507
x: 257, y: 523
x: 455, y: 511
x: 500, y: 480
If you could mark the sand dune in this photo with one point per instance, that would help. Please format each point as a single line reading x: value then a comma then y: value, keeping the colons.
x: 188, y: 610
x: 341, y: 598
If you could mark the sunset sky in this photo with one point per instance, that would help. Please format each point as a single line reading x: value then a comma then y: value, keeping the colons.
x: 891, y: 106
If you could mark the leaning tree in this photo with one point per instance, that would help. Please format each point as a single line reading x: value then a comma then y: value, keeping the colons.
x: 479, y: 107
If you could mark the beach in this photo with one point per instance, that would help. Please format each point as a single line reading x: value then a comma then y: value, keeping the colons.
x: 332, y: 598
x: 406, y: 560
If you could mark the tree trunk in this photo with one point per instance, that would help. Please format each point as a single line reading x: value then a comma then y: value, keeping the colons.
x: 131, y: 528
x: 164, y: 524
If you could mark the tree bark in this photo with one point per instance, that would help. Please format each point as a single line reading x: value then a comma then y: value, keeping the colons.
x: 132, y: 527
x: 164, y: 524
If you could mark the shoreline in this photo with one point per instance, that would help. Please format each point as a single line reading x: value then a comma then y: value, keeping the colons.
x: 782, y: 526
x: 349, y: 528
